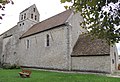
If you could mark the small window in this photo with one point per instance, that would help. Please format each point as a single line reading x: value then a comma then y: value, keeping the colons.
x: 20, y: 24
x: 35, y: 17
x: 23, y: 23
x: 34, y: 9
x: 113, y: 61
x: 47, y: 41
x: 14, y: 53
x: 24, y: 15
x: 27, y: 44
x: 31, y: 16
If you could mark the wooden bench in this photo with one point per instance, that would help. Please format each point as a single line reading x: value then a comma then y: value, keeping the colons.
x: 25, y: 73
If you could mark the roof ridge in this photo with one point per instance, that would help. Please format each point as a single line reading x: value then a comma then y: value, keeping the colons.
x: 27, y: 8
x: 54, y: 15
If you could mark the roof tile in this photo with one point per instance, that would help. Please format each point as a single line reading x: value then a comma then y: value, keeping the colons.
x: 85, y: 45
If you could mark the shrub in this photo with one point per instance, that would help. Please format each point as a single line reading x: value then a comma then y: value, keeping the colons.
x: 9, y: 66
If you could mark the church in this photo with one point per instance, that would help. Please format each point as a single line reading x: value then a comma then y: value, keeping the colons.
x: 57, y: 43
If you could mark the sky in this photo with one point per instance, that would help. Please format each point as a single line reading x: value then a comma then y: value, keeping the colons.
x: 46, y: 8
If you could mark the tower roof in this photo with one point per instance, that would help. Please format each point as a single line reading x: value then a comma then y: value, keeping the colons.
x: 28, y: 8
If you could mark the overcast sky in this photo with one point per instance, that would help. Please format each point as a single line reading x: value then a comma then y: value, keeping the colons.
x: 46, y: 8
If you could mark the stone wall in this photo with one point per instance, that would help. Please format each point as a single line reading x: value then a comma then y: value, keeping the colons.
x: 9, y: 41
x: 7, y: 46
x: 92, y: 63
x: 23, y: 26
x: 26, y: 14
x: 57, y: 55
x: 74, y: 30
x: 40, y: 55
x: 1, y: 42
x: 114, y: 58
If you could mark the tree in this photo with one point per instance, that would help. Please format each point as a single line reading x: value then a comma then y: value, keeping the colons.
x: 2, y: 5
x: 101, y: 17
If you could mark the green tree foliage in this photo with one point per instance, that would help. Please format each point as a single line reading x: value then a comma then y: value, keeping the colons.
x: 101, y: 17
x: 2, y: 5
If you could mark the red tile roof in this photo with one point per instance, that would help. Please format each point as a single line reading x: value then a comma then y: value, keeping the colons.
x: 49, y: 23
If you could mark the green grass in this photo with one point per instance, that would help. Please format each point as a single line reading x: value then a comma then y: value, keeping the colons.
x: 45, y: 76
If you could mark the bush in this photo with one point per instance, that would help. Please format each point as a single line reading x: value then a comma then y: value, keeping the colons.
x: 9, y: 66
x: 118, y: 66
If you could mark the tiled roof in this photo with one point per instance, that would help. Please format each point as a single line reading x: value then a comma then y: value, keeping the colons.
x: 86, y: 45
x: 49, y: 23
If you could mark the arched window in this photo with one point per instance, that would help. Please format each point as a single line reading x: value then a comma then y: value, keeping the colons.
x: 113, y: 61
x: 47, y: 41
x: 27, y: 44
x: 35, y: 17
x: 31, y: 16
x: 34, y: 9
x: 24, y: 15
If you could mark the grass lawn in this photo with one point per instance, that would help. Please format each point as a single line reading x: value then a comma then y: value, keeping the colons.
x: 45, y: 76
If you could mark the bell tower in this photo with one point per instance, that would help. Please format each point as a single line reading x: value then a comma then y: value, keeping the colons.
x: 28, y: 18
x: 30, y: 13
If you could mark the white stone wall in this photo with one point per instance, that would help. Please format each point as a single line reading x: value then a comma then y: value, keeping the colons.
x: 57, y: 55
x: 75, y: 29
x: 114, y: 58
x: 27, y: 13
x: 92, y: 63
x: 23, y: 26
x: 7, y: 49
x: 1, y: 43
x: 10, y: 39
x: 31, y: 11
x: 40, y: 55
x: 9, y: 46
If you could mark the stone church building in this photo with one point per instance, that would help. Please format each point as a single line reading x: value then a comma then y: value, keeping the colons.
x: 57, y: 43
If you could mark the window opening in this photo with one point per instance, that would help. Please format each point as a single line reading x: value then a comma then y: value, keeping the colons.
x: 31, y: 16
x: 34, y: 9
x: 28, y: 44
x: 48, y: 40
x: 24, y: 15
x: 35, y: 17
